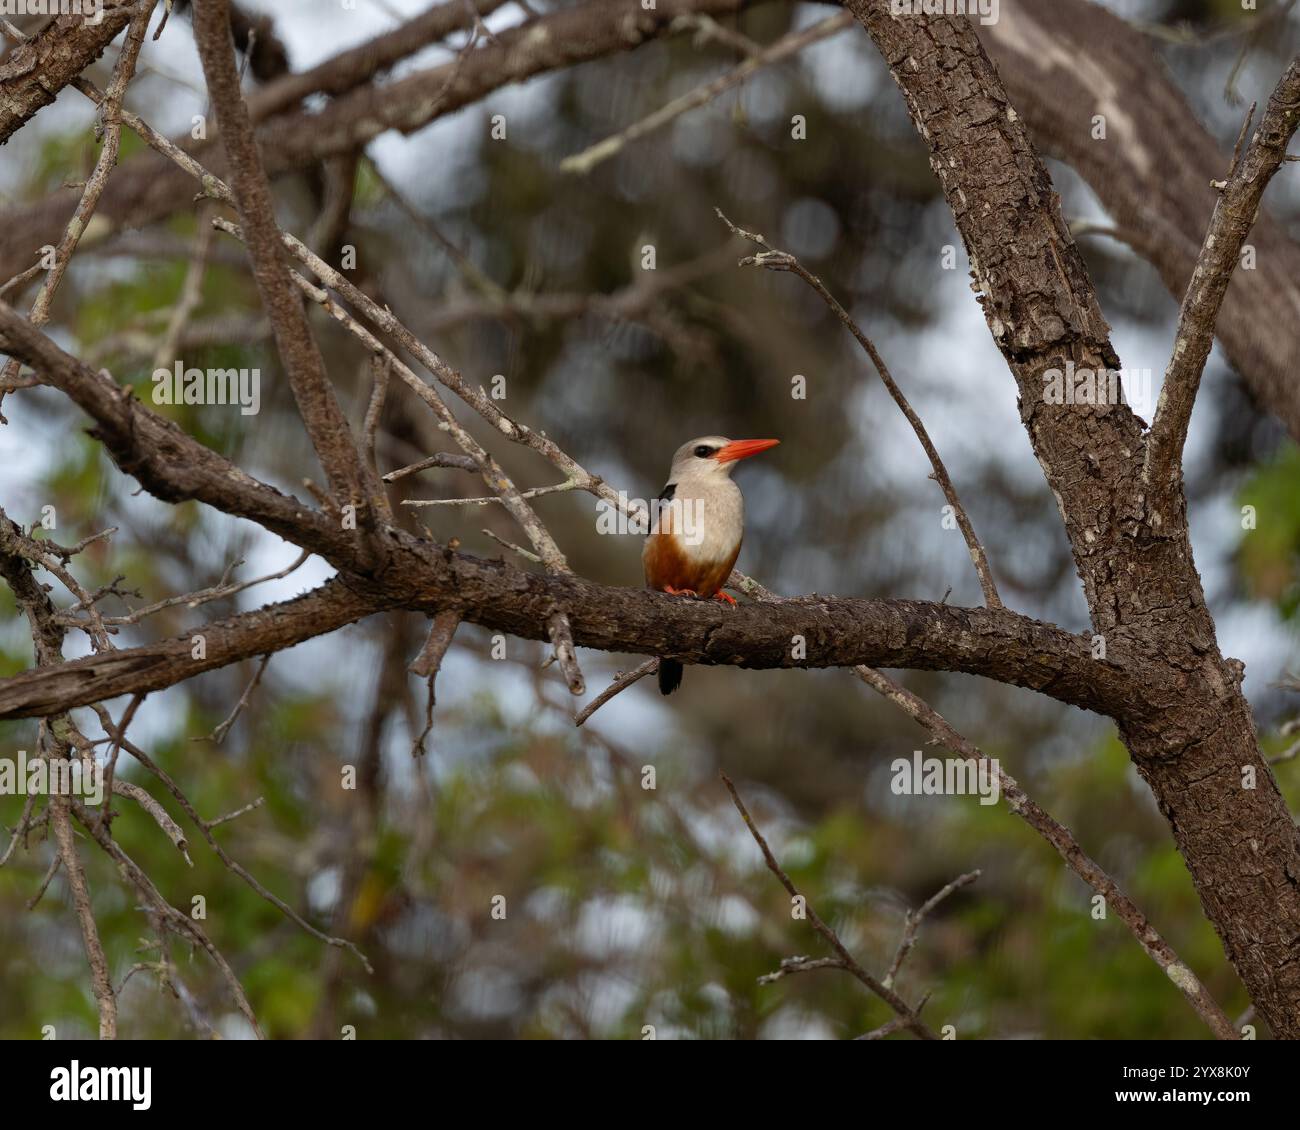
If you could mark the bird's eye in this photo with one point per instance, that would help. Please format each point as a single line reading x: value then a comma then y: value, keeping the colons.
x: 704, y: 451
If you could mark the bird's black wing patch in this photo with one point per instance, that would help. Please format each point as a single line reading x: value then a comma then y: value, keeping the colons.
x: 666, y: 495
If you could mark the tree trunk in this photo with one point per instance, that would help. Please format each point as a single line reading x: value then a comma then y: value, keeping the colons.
x: 1197, y: 748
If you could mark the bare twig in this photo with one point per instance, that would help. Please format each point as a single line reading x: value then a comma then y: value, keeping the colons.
x: 800, y: 964
x: 100, y: 981
x: 21, y: 279
x: 442, y: 459
x: 561, y: 634
x: 20, y: 830
x: 886, y: 994
x: 526, y: 554
x: 774, y: 260
x: 912, y: 922
x: 205, y: 828
x: 1234, y: 216
x: 531, y: 492
x: 622, y: 681
x: 14, y: 541
x: 379, y: 371
x: 219, y: 734
x: 560, y: 631
x: 441, y: 632
x: 893, y: 1025
x: 161, y: 817
x: 222, y: 589
x: 174, y: 919
x: 251, y: 806
x: 53, y: 869
x: 1064, y: 842
x: 117, y: 733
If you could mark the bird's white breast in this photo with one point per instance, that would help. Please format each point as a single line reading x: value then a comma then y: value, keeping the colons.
x: 716, y: 511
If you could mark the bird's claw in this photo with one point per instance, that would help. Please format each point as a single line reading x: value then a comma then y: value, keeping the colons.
x: 720, y: 595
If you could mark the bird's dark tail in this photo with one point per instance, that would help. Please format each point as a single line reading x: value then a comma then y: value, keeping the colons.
x: 670, y: 675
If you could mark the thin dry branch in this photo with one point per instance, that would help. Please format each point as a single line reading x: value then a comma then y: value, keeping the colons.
x: 319, y: 408
x: 1234, y: 216
x: 773, y: 260
x: 622, y: 681
x: 531, y: 492
x: 559, y: 629
x: 117, y: 734
x: 222, y: 589
x: 379, y: 374
x: 442, y: 459
x: 901, y: 1008
x: 1068, y: 848
x: 441, y: 632
x: 167, y: 914
x: 205, y: 828
x: 914, y: 918
x: 161, y: 817
x: 218, y: 735
x: 110, y: 110
x: 21, y: 828
x: 100, y: 982
x: 15, y: 543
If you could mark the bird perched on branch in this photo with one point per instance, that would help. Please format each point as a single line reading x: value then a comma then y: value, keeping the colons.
x: 695, y: 535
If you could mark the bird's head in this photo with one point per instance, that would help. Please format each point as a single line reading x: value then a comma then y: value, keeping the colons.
x: 714, y: 456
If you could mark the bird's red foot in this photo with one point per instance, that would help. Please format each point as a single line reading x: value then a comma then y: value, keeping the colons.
x: 679, y: 592
x: 720, y: 595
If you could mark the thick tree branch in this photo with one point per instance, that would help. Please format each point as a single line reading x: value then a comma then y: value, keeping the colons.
x: 1196, y: 746
x: 169, y: 463
x: 110, y: 110
x: 424, y: 577
x: 560, y: 38
x: 33, y: 73
x: 1064, y: 61
x: 323, y: 610
x: 317, y: 404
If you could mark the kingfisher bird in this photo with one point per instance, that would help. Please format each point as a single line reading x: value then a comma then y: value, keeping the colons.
x: 695, y: 538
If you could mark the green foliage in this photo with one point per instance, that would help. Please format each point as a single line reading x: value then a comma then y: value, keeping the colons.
x: 1268, y: 555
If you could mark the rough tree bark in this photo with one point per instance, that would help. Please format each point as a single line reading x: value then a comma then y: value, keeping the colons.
x: 1064, y: 61
x: 1198, y: 744
x: 32, y: 74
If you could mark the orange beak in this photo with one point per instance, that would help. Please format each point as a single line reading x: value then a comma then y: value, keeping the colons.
x: 743, y: 449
